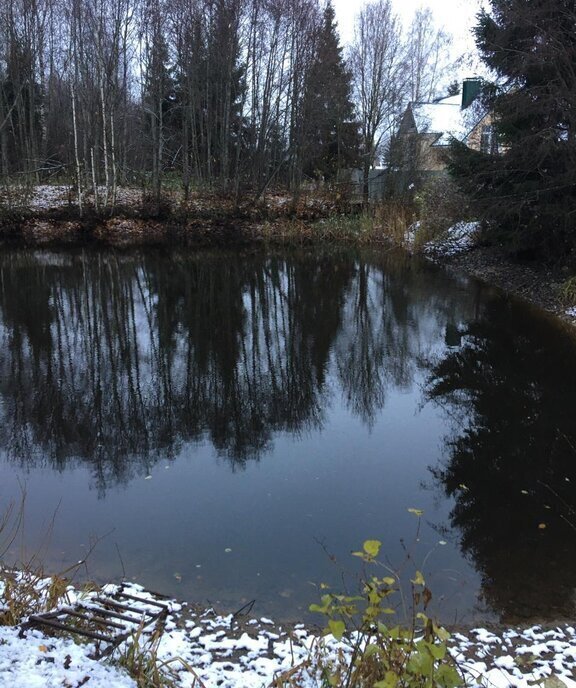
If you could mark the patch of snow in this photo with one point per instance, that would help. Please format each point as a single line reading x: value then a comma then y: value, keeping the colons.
x: 212, y: 650
x: 443, y: 118
x: 410, y: 236
x: 459, y: 238
x: 47, y: 662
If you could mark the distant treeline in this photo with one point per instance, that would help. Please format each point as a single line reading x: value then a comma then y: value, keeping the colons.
x: 226, y: 94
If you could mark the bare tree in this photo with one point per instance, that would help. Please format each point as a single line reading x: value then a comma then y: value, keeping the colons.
x: 379, y: 69
x: 427, y: 56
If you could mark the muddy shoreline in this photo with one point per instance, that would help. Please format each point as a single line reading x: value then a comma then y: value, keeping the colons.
x: 535, y: 283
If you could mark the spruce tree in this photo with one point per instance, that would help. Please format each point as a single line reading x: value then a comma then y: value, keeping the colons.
x: 332, y: 138
x: 527, y: 192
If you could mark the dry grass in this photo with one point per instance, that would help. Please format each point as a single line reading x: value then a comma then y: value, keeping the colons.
x: 568, y: 291
x: 140, y: 658
x: 27, y: 592
x: 393, y: 220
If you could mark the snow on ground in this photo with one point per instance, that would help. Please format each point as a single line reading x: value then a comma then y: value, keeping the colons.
x: 50, y: 196
x: 206, y: 650
x: 37, y: 660
x: 459, y: 238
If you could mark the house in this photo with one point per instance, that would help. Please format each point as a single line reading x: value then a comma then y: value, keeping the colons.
x: 426, y: 130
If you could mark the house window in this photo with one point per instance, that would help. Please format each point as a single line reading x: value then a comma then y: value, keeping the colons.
x: 488, y: 142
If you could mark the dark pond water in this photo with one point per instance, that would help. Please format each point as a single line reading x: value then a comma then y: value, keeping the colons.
x: 232, y: 425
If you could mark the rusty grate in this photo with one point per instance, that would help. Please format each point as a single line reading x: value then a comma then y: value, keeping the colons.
x: 106, y: 619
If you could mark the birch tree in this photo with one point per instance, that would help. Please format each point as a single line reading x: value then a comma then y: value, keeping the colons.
x: 379, y: 72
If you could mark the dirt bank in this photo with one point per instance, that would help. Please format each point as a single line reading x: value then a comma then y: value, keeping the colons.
x: 535, y: 283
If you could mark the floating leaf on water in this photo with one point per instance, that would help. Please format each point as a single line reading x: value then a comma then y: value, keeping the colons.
x: 372, y: 547
x: 228, y: 549
x: 416, y: 512
x: 524, y: 492
x: 442, y: 542
x: 178, y: 577
x: 148, y: 477
x: 462, y: 486
x: 541, y: 526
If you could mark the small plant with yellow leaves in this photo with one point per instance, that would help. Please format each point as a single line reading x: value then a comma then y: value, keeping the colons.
x: 384, y: 653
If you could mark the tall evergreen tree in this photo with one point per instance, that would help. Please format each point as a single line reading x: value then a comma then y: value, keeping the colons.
x: 528, y: 191
x: 332, y: 138
x: 158, y: 94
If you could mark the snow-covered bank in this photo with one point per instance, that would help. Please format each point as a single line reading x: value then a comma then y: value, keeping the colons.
x: 204, y: 649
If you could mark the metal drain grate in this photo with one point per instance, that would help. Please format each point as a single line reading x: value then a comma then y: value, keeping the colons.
x: 106, y: 619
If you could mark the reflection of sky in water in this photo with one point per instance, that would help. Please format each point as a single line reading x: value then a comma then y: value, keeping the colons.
x: 309, y: 372
x: 332, y: 488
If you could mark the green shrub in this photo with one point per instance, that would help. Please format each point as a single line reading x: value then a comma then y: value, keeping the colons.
x: 384, y: 653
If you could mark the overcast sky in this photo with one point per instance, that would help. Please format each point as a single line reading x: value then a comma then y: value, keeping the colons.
x: 456, y: 16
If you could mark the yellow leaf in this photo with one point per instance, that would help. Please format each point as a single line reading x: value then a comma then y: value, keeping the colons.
x: 372, y: 547
x: 42, y: 648
x: 541, y: 526
x: 416, y: 512
x: 419, y: 579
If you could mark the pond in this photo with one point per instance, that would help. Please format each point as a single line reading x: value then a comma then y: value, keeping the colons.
x: 229, y: 426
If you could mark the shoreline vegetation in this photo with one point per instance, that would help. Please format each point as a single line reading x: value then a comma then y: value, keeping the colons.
x: 50, y: 215
x: 201, y: 648
x: 47, y: 216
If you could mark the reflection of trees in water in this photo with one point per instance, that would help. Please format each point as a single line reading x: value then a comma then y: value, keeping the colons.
x: 394, y: 317
x: 511, y: 461
x: 118, y: 360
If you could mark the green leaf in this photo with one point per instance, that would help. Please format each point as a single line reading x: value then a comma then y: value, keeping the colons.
x: 421, y: 662
x: 337, y: 628
x: 372, y: 547
x: 441, y: 633
x: 448, y: 677
x: 371, y: 649
x: 437, y: 651
x: 317, y: 608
